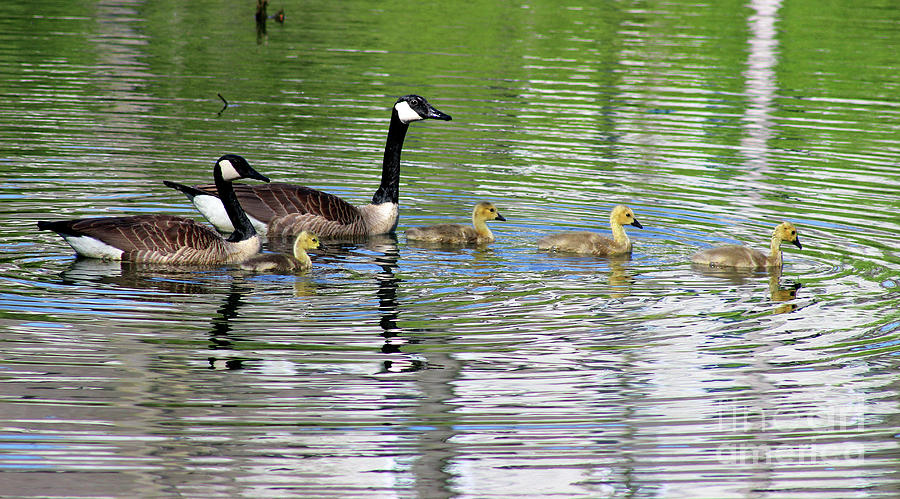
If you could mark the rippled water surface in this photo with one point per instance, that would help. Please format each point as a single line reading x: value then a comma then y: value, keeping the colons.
x: 395, y: 369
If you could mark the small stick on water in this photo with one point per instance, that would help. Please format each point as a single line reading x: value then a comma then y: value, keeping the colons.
x: 223, y: 107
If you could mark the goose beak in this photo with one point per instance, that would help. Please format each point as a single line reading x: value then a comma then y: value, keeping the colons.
x: 637, y: 224
x: 434, y: 114
x: 251, y: 173
x: 500, y: 217
x: 797, y: 243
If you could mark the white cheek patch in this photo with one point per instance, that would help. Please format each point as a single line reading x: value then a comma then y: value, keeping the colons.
x: 406, y: 113
x: 93, y: 248
x: 228, y: 171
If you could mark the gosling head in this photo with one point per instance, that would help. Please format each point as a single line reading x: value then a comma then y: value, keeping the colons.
x: 486, y: 211
x: 411, y: 108
x: 623, y: 215
x: 305, y: 241
x: 786, y: 231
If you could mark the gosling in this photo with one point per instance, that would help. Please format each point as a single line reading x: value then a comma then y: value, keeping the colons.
x: 277, y: 262
x: 478, y: 233
x: 592, y: 243
x: 737, y: 256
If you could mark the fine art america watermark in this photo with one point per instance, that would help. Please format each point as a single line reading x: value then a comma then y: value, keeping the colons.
x: 793, y: 434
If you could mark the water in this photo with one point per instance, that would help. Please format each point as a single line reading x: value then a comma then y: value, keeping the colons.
x: 393, y: 369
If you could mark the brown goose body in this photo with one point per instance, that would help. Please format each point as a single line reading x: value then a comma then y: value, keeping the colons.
x: 168, y: 239
x: 284, y: 210
x: 591, y: 243
x: 155, y: 239
x: 477, y: 233
x: 279, y: 262
x: 737, y: 256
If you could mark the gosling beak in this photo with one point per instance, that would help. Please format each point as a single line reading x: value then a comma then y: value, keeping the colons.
x: 500, y: 217
x: 637, y: 224
x: 434, y: 114
x: 797, y: 243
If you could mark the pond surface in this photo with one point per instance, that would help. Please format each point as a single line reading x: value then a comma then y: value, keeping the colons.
x: 397, y: 370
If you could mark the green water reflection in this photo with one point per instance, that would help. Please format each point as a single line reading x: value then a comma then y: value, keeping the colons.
x: 393, y: 369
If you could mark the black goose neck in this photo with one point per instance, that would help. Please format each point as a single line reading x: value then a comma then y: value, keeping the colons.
x: 389, y: 190
x: 243, y: 229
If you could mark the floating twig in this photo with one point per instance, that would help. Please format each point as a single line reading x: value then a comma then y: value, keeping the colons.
x: 223, y: 107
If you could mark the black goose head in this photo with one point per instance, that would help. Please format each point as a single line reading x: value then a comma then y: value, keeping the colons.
x: 234, y: 167
x: 411, y: 108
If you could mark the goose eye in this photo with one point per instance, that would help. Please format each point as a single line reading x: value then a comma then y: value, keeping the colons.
x: 414, y: 102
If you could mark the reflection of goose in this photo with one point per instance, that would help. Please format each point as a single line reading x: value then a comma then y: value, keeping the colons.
x: 261, y: 10
x: 787, y: 293
x: 166, y: 238
x: 734, y: 255
x: 593, y: 243
x: 779, y: 293
x: 279, y: 262
x: 619, y: 279
x: 458, y: 233
x: 144, y: 276
x: 286, y: 209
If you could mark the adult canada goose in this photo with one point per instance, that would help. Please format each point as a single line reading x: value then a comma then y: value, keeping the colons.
x: 593, y: 243
x: 734, y: 255
x: 458, y: 233
x: 279, y: 262
x: 283, y: 210
x: 165, y: 238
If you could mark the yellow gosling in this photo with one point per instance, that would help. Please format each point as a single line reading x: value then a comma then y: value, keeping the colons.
x: 738, y: 256
x: 278, y: 262
x: 593, y: 243
x: 457, y: 233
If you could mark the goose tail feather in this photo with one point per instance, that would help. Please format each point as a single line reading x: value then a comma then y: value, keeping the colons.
x: 190, y: 192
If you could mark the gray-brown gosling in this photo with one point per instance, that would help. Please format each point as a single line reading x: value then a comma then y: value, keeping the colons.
x: 593, y: 243
x: 279, y: 262
x: 737, y: 256
x: 169, y: 239
x: 478, y: 233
